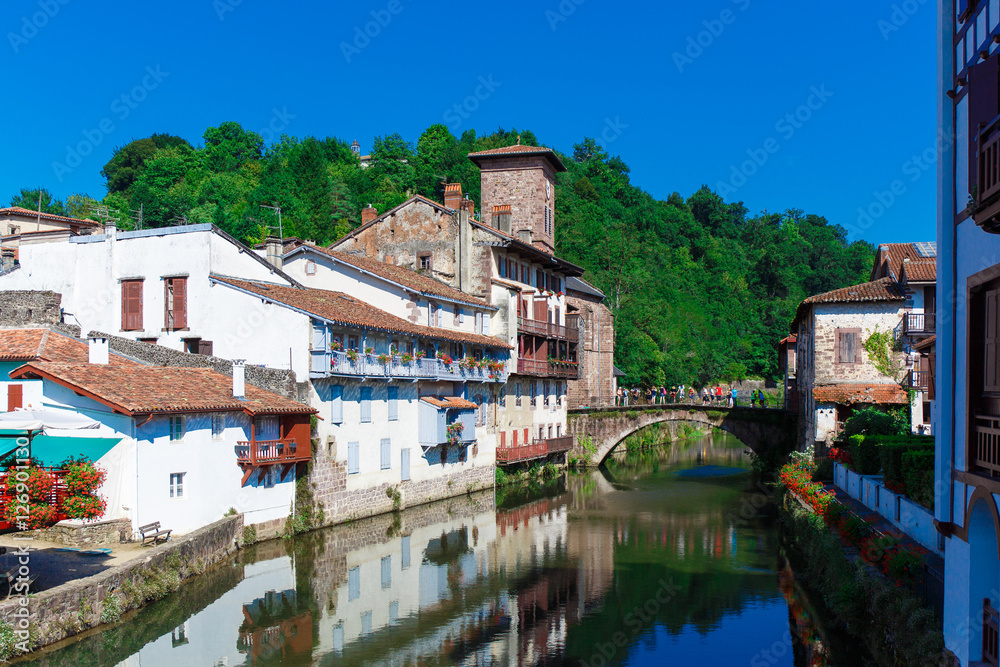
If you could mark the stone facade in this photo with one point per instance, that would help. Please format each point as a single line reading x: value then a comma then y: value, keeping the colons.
x: 526, y: 184
x: 101, y: 533
x: 76, y: 606
x: 22, y: 307
x: 279, y: 381
x: 596, y: 385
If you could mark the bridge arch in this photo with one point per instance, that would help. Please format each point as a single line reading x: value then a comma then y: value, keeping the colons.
x: 761, y: 430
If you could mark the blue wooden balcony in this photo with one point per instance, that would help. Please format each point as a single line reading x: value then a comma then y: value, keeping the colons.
x: 329, y: 363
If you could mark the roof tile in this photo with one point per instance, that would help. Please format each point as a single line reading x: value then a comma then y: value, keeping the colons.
x: 449, y: 402
x: 849, y: 394
x: 883, y: 289
x: 19, y: 211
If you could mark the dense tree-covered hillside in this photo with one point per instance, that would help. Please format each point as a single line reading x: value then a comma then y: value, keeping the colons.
x: 702, y: 290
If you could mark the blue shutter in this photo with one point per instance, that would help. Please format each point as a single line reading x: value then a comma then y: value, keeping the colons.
x: 354, y: 583
x: 337, y: 404
x: 404, y: 460
x: 404, y: 547
x: 387, y: 572
x: 393, y: 403
x: 366, y: 405
x: 386, y: 453
x: 352, y: 458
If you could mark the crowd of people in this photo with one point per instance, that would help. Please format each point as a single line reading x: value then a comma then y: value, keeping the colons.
x: 716, y: 395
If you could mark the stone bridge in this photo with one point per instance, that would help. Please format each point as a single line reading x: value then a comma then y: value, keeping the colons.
x: 762, y: 430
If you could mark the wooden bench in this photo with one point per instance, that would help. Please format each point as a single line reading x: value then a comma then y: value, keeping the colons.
x: 151, y: 531
x: 22, y: 587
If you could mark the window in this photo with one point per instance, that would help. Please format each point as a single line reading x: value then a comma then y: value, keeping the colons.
x: 175, y: 304
x: 404, y: 552
x: 534, y: 393
x: 218, y: 426
x: 545, y: 391
x: 176, y: 428
x: 479, y: 323
x: 354, y: 583
x: 393, y: 611
x: 541, y: 432
x: 479, y: 410
x: 179, y: 636
x: 848, y: 346
x: 337, y: 404
x: 393, y: 404
x: 177, y: 484
x: 268, y: 477
x: 517, y: 394
x: 386, y: 457
x: 310, y: 267
x: 503, y: 268
x: 404, y: 465
x: 15, y: 397
x: 266, y: 428
x: 558, y: 430
x: 386, y: 572
x: 458, y: 316
x: 131, y: 305
x: 424, y: 261
x: 352, y: 458
x: 366, y: 405
x: 352, y: 343
x: 539, y: 279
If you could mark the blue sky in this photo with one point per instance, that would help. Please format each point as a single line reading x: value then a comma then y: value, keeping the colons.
x: 816, y: 106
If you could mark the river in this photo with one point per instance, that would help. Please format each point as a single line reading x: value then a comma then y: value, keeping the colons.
x: 661, y: 557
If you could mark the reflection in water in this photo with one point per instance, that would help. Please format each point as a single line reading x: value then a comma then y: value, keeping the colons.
x: 646, y: 561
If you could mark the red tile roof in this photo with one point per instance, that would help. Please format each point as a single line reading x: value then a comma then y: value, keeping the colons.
x: 926, y: 344
x: 25, y: 212
x: 850, y: 394
x: 345, y: 309
x: 791, y: 340
x: 890, y: 256
x: 923, y: 271
x: 47, y: 345
x: 449, y: 402
x: 518, y: 150
x: 137, y: 389
x: 418, y: 282
x: 883, y: 289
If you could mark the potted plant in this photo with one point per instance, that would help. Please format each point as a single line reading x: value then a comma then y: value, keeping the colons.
x: 419, y: 354
x: 384, y: 359
x: 352, y: 354
x: 406, y: 358
x: 445, y: 359
x: 455, y: 432
x: 336, y: 346
x: 369, y: 350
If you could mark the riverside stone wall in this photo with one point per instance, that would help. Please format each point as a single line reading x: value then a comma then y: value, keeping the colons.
x: 102, y: 533
x: 75, y: 606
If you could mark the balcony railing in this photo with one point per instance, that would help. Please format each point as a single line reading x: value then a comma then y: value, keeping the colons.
x: 368, y: 366
x: 545, y: 368
x: 986, y: 208
x: 991, y: 634
x: 557, y: 445
x: 268, y: 452
x: 919, y: 380
x: 987, y: 452
x: 915, y: 324
x: 549, y: 329
x: 522, y: 452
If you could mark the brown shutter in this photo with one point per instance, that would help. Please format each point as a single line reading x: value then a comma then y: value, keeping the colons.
x: 991, y: 378
x: 541, y: 310
x: 180, y: 303
x: 132, y: 305
x: 526, y: 435
x: 15, y: 393
x: 503, y: 439
x: 929, y: 367
x: 167, y: 289
x: 205, y: 347
x: 852, y: 348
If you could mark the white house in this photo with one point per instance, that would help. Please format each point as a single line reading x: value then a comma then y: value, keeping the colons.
x: 181, y: 446
x: 835, y: 374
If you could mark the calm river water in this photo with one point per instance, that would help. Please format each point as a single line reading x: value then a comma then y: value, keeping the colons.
x: 660, y: 558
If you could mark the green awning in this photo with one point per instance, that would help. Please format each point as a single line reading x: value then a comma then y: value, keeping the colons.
x: 51, y: 450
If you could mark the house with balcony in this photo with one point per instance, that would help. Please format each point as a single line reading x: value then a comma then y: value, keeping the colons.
x: 180, y: 445
x: 835, y: 374
x: 967, y: 361
x: 399, y: 416
x: 505, y: 257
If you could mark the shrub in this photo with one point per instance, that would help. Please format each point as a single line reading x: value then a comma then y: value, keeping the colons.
x: 84, y: 507
x: 891, y: 453
x: 83, y: 477
x: 864, y: 453
x: 918, y: 473
x: 872, y: 421
x: 824, y: 471
x: 38, y: 515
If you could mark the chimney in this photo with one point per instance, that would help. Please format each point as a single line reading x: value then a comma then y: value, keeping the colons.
x: 7, y: 259
x: 110, y: 231
x: 469, y: 206
x: 239, y: 378
x: 524, y: 235
x: 501, y: 218
x: 452, y: 195
x: 368, y: 214
x: 273, y: 250
x: 98, y: 350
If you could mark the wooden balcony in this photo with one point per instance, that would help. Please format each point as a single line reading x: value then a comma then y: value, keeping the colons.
x: 986, y: 207
x: 557, y: 445
x: 522, y: 452
x: 367, y: 366
x: 918, y: 324
x: 919, y: 380
x: 533, y: 327
x: 544, y: 368
x: 269, y: 452
x: 549, y: 329
x: 986, y: 456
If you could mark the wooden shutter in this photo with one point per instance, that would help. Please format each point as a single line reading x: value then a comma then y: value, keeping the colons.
x: 984, y: 105
x: 991, y: 339
x: 337, y: 404
x: 404, y: 465
x: 179, y: 289
x: 132, y: 305
x: 503, y: 439
x: 386, y: 447
x: 366, y: 405
x: 525, y: 435
x: 541, y: 310
x: 15, y: 397
x: 514, y: 438
x: 352, y: 457
x: 393, y: 403
x: 205, y: 347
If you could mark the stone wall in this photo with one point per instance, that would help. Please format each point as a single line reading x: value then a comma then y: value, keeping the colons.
x: 272, y: 379
x: 101, y: 533
x: 829, y: 318
x: 596, y: 350
x: 22, y: 307
x: 67, y: 610
x: 519, y: 182
x: 329, y: 480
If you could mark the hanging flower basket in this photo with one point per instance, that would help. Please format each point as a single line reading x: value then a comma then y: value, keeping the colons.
x: 352, y: 355
x: 384, y: 359
x: 83, y: 477
x: 406, y: 358
x: 455, y: 432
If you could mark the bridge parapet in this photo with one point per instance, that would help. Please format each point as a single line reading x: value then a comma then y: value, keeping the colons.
x: 598, y: 432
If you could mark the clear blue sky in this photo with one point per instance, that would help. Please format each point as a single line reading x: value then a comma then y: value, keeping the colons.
x: 563, y: 70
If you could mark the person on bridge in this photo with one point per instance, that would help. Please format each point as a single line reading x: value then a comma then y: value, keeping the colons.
x: 718, y: 394
x: 692, y: 395
x: 762, y: 398
x: 673, y: 394
x: 706, y: 397
x: 734, y: 398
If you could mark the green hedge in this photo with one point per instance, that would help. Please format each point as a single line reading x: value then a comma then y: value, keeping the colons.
x: 864, y: 453
x: 872, y: 453
x: 918, y: 474
x: 891, y: 456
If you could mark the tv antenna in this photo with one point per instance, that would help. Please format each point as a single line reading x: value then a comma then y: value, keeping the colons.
x: 267, y: 227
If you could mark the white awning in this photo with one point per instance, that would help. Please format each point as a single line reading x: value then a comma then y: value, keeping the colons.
x: 36, y: 420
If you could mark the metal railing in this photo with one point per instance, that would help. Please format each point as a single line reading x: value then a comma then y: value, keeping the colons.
x: 265, y: 452
x: 918, y: 323
x: 919, y: 380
